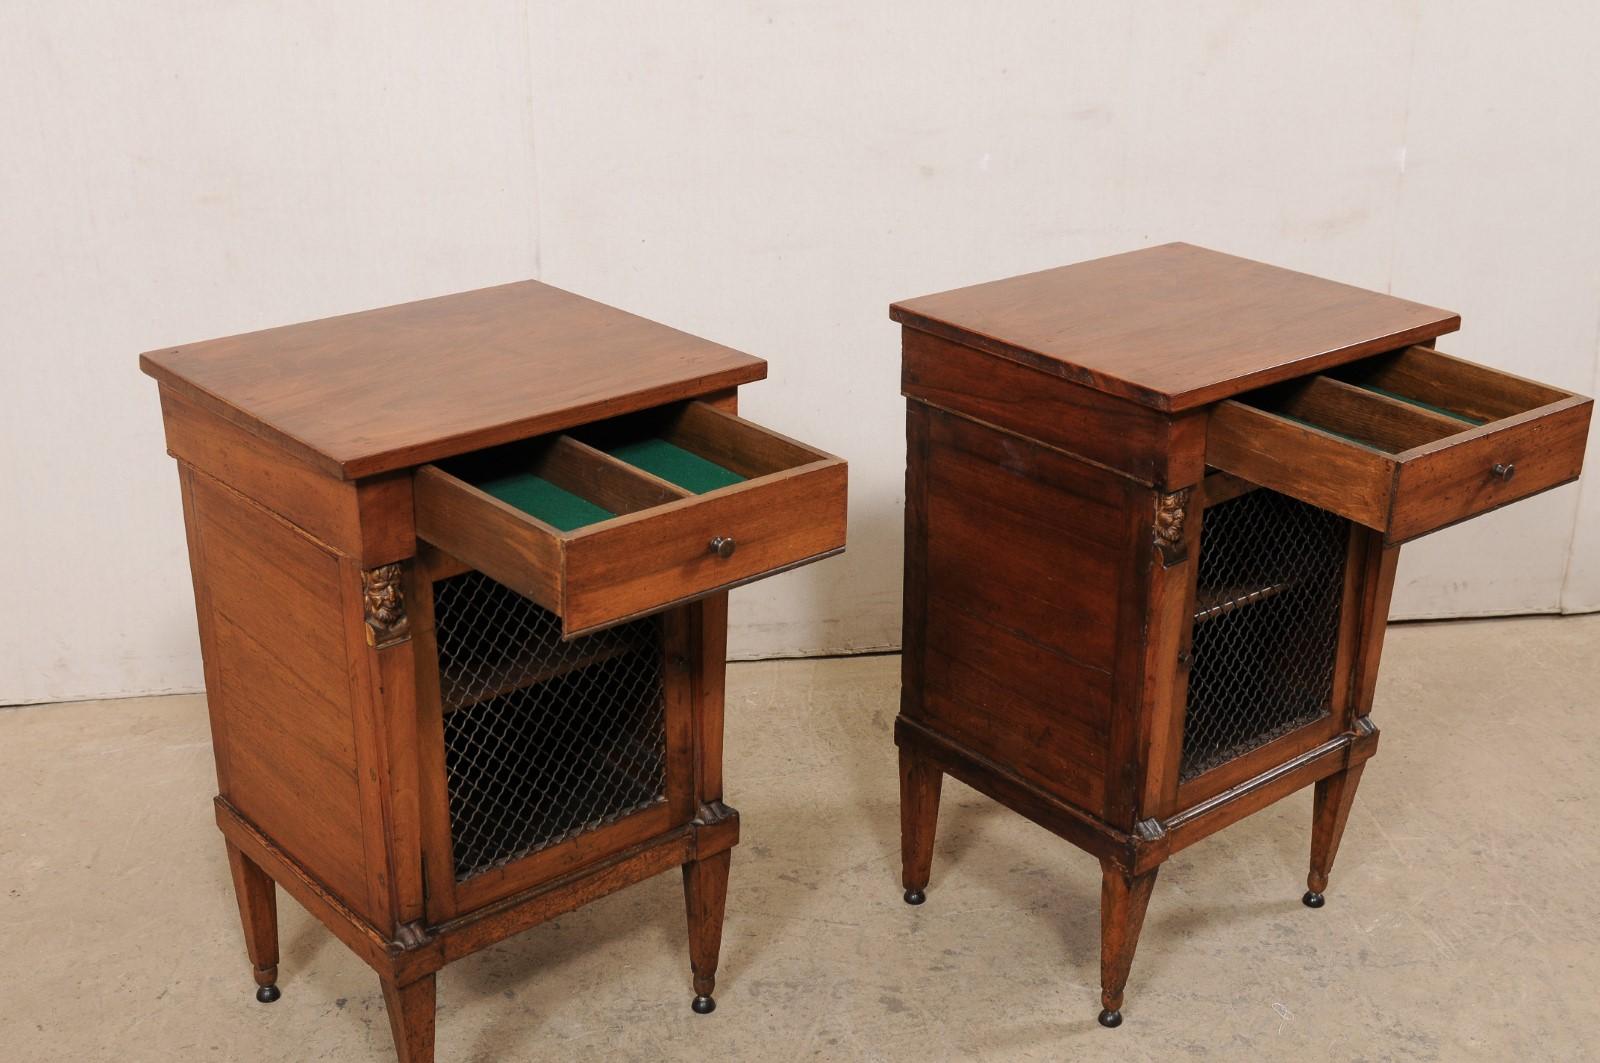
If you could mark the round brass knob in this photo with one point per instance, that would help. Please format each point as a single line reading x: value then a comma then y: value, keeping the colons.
x: 1504, y: 471
x: 723, y: 546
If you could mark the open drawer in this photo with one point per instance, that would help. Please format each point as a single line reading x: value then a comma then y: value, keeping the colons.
x: 626, y: 517
x: 1405, y: 442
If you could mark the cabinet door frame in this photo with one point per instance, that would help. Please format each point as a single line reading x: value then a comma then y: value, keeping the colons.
x: 1183, y: 794
x: 445, y: 896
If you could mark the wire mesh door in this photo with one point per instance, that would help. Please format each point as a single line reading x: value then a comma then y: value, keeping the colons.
x: 1266, y: 626
x: 544, y: 740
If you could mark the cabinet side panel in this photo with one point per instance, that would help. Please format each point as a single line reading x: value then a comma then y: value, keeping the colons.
x: 205, y: 621
x: 1035, y: 712
x: 1025, y: 536
x: 1023, y: 571
x: 914, y: 608
x: 281, y: 685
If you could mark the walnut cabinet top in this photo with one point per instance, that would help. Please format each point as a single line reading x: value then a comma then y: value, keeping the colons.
x: 1176, y: 326
x: 372, y: 392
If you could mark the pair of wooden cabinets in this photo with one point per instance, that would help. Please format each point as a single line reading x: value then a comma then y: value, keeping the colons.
x: 461, y: 565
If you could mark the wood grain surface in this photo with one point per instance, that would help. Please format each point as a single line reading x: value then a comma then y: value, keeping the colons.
x: 379, y: 390
x: 1176, y: 326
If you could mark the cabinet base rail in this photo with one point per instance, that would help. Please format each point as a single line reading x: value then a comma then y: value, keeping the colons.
x: 1152, y: 839
x: 415, y: 950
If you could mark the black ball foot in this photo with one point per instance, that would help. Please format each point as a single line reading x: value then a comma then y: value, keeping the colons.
x: 1313, y: 899
x: 1111, y: 1019
x: 268, y: 993
x: 703, y: 1005
x: 915, y: 896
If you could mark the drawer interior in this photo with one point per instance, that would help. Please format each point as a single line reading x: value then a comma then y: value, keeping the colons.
x: 694, y: 448
x: 613, y: 520
x: 626, y: 465
x: 678, y: 465
x: 559, y: 480
x: 1406, y: 442
x: 1403, y: 400
x: 544, y: 498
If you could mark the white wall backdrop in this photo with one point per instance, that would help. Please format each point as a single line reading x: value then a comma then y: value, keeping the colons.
x: 770, y: 175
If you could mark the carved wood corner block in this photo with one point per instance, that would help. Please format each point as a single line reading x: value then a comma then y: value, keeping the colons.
x: 1149, y: 845
x: 1171, y: 511
x: 713, y: 812
x: 1149, y: 830
x: 412, y: 935
x: 716, y: 827
x: 383, y: 603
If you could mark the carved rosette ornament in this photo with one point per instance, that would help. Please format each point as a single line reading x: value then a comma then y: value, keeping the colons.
x: 384, y: 605
x: 1170, y: 512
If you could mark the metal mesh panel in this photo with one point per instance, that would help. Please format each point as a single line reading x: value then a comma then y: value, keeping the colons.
x: 1266, y: 625
x: 544, y: 739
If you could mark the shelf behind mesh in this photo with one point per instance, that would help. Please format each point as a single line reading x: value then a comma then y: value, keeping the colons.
x: 1265, y: 641
x: 1212, y: 602
x: 460, y: 687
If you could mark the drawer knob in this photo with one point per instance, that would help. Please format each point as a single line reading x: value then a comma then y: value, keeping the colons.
x: 723, y: 546
x: 1504, y: 470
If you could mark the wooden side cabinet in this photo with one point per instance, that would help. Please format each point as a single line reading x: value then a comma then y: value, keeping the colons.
x: 460, y: 570
x: 1153, y: 508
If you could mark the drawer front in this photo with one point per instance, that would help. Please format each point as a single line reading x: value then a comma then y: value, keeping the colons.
x: 1407, y: 442
x: 629, y: 517
x: 651, y: 560
x: 1454, y: 481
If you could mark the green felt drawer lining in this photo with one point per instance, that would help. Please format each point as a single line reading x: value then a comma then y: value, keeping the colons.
x: 1408, y: 400
x: 1325, y: 428
x: 556, y: 506
x: 675, y: 465
x: 1430, y: 407
x: 565, y: 511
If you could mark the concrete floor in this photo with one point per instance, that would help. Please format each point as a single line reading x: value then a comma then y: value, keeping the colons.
x: 1460, y: 922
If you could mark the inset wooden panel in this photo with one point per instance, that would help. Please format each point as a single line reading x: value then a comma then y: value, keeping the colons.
x: 1027, y: 535
x: 1008, y: 699
x: 283, y: 686
x: 1023, y: 587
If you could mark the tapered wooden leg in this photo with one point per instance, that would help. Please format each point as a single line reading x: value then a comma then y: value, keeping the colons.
x: 705, y: 894
x: 411, y: 1009
x: 920, y: 783
x: 1123, y: 900
x: 1330, y: 812
x: 257, y: 895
